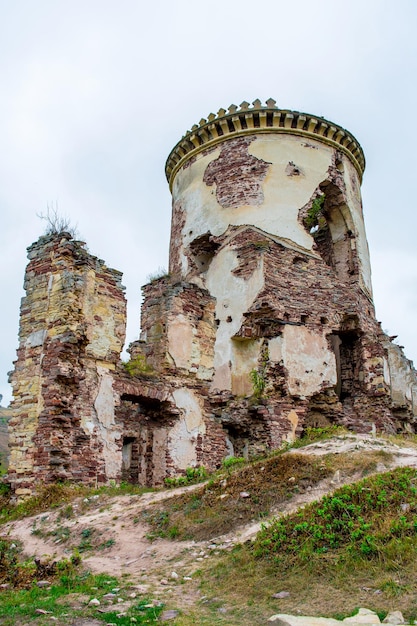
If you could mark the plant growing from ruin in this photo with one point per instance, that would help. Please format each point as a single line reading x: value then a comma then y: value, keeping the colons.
x: 262, y: 244
x: 315, y: 211
x: 192, y: 475
x: 258, y: 376
x: 161, y: 272
x: 138, y: 366
x: 56, y: 223
x: 232, y: 461
x: 258, y: 382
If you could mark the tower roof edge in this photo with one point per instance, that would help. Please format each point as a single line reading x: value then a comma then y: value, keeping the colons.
x: 246, y: 119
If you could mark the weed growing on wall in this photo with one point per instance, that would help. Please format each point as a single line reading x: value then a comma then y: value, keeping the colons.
x: 138, y: 366
x: 57, y: 223
x: 258, y: 376
x: 161, y: 272
x: 258, y: 382
x: 315, y: 211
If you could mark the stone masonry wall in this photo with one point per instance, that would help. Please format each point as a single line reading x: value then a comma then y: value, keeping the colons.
x: 72, y: 330
x: 264, y: 326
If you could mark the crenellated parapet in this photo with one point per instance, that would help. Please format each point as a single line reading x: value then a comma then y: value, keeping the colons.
x: 246, y: 119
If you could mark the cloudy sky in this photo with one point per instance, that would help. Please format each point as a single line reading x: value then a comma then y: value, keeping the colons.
x: 95, y: 93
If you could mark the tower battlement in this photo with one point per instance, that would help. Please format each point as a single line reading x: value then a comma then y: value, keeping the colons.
x: 246, y: 119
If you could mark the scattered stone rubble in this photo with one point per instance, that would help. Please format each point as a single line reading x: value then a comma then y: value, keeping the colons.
x: 364, y: 617
x: 264, y: 325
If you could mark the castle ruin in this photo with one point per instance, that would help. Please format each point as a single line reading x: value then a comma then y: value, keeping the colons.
x: 264, y: 325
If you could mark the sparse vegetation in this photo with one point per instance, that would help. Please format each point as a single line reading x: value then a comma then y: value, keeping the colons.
x: 262, y: 244
x: 138, y: 366
x: 258, y: 376
x: 161, y: 272
x: 57, y: 223
x: 315, y: 211
x: 311, y: 434
x: 192, y: 475
x: 258, y: 382
x: 58, y: 494
x: 206, y: 512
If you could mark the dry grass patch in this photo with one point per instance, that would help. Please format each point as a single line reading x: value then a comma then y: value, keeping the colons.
x: 249, y: 493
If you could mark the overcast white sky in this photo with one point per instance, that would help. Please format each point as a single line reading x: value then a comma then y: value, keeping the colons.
x: 95, y: 93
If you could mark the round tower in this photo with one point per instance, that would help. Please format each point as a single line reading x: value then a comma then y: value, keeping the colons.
x: 267, y: 218
x: 293, y: 175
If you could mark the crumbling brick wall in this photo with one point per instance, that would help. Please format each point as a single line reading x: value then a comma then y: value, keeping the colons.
x: 72, y: 329
x: 265, y: 324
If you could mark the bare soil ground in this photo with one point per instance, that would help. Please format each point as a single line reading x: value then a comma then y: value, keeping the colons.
x: 112, y: 535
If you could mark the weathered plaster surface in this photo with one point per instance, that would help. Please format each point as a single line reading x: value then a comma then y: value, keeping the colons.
x: 233, y: 295
x: 109, y: 431
x: 261, y: 328
x: 62, y: 408
x: 402, y: 378
x: 354, y: 202
x: 308, y: 359
x: 244, y: 359
x: 237, y: 174
x: 185, y: 433
x: 180, y: 341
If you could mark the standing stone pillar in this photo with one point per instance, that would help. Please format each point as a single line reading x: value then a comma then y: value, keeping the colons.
x: 72, y: 330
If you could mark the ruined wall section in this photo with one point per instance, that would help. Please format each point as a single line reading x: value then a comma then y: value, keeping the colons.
x: 178, y: 328
x: 324, y: 333
x: 402, y: 378
x: 72, y: 330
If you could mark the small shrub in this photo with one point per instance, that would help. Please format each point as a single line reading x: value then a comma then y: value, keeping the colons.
x: 315, y: 211
x: 192, y: 475
x: 262, y: 244
x: 106, y: 544
x: 67, y: 512
x: 258, y: 382
x: 57, y: 224
x: 319, y: 433
x: 138, y: 366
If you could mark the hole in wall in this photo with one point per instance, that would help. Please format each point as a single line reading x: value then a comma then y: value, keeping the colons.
x: 202, y: 251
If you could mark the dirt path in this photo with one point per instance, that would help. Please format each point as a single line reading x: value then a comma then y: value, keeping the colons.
x: 116, y: 529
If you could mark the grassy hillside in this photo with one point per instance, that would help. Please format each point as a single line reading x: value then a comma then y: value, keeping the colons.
x: 356, y: 546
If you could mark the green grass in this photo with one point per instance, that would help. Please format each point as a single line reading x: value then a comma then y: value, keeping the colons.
x: 66, y: 577
x: 374, y: 518
x: 20, y: 604
x: 355, y: 547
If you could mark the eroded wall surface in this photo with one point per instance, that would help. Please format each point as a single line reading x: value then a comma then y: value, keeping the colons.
x: 72, y: 329
x: 264, y: 325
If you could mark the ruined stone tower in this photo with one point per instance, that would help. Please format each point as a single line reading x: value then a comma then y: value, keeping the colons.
x: 265, y: 323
